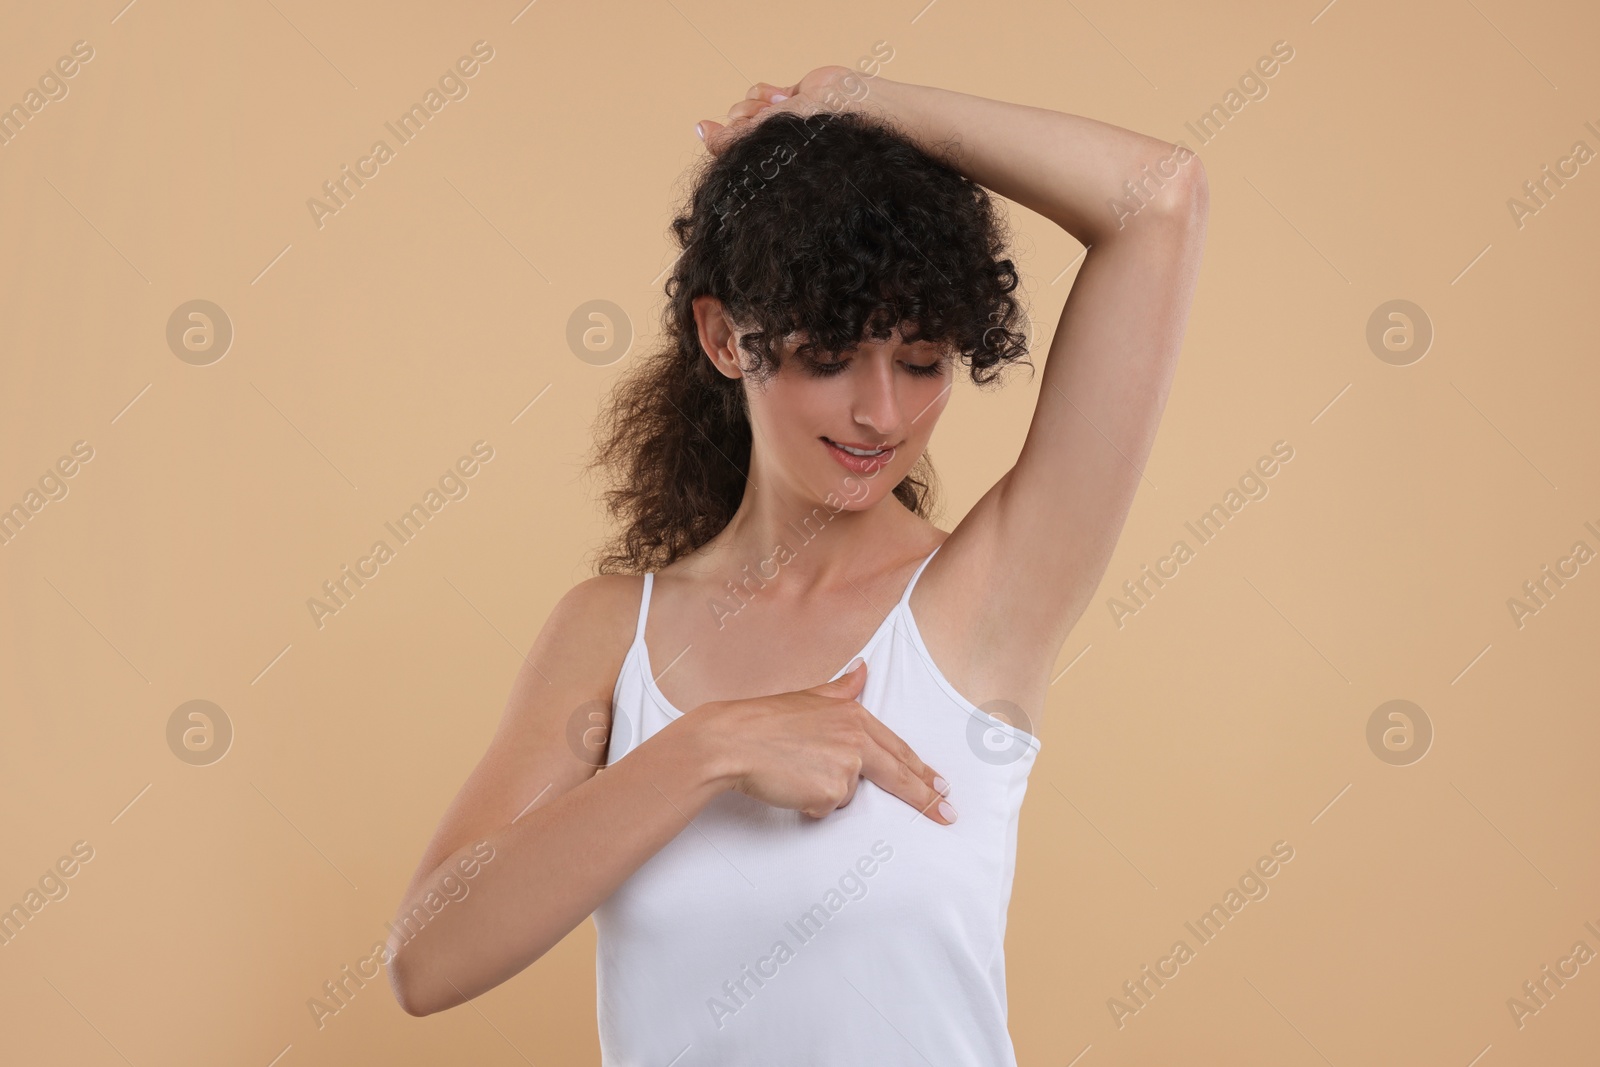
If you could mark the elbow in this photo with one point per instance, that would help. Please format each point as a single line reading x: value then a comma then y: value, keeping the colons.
x: 404, y: 988
x: 421, y: 986
x: 408, y: 990
x: 1185, y: 198
x: 1168, y: 198
x: 1197, y: 194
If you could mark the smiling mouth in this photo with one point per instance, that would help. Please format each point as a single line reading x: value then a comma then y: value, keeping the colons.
x: 863, y: 451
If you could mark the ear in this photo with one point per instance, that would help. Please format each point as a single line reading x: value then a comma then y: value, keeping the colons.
x: 718, y: 337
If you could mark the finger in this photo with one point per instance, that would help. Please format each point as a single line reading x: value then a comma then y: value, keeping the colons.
x: 850, y: 793
x: 847, y: 686
x: 896, y: 746
x: 894, y: 775
x: 712, y: 133
x: 765, y: 91
x: 745, y: 109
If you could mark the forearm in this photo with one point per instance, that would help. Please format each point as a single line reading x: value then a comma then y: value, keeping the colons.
x: 550, y: 869
x: 1068, y: 168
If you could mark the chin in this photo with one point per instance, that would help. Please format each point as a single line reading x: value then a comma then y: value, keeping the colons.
x: 859, y: 493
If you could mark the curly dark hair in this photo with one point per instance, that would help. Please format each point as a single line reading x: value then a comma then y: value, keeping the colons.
x: 835, y: 225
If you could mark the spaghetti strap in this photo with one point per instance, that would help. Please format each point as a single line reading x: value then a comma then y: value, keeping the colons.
x: 905, y: 598
x: 644, y: 607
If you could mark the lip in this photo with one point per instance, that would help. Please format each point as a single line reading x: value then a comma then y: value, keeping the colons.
x: 860, y: 464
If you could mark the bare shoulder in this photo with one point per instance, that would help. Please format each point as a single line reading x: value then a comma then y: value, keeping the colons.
x: 564, y: 684
x: 571, y: 668
x: 596, y: 617
x: 580, y: 649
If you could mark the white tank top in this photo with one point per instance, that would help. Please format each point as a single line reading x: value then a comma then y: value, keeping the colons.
x: 761, y: 936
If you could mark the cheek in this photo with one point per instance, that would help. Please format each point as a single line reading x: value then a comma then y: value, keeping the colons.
x: 798, y: 408
x: 788, y: 411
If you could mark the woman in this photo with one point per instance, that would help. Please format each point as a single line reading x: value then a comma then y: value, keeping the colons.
x: 756, y: 902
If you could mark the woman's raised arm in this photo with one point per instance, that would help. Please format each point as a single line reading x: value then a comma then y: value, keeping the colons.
x: 1140, y: 206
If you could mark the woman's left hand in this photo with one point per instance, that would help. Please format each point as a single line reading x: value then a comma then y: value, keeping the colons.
x: 822, y: 89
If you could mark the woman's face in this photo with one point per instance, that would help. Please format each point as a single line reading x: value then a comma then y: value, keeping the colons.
x: 883, y: 397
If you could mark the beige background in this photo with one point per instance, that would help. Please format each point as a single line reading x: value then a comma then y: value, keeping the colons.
x: 431, y: 311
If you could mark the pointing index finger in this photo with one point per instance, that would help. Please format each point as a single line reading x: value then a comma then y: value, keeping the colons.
x: 891, y: 764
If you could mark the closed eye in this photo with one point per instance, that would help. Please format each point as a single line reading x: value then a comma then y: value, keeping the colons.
x: 828, y: 370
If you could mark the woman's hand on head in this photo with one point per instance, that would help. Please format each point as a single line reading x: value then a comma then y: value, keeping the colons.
x: 827, y: 88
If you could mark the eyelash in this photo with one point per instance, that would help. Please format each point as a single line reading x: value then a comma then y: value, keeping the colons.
x: 828, y: 370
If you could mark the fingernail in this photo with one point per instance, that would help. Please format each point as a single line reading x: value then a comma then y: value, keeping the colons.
x: 854, y: 664
x: 776, y: 97
x: 947, y: 811
x: 698, y: 132
x: 941, y: 785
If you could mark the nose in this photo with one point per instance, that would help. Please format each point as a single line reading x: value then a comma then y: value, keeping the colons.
x: 876, y: 401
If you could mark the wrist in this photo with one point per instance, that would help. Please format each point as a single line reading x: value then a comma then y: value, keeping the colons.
x: 911, y: 109
x: 837, y: 88
x: 707, y: 745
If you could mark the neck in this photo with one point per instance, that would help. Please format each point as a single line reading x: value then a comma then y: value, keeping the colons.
x: 808, y: 544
